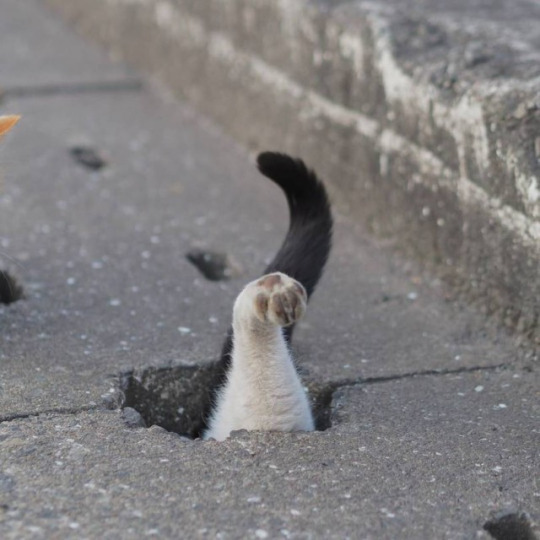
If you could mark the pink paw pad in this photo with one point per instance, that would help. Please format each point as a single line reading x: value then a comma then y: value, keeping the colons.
x: 280, y: 299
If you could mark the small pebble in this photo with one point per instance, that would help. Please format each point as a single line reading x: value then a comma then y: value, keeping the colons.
x: 133, y: 417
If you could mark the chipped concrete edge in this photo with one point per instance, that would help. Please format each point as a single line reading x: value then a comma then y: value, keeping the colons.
x: 409, y: 161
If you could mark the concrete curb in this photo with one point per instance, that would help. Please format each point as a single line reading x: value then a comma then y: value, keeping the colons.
x: 427, y: 126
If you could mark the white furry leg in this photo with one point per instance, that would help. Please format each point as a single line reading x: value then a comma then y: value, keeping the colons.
x: 263, y: 390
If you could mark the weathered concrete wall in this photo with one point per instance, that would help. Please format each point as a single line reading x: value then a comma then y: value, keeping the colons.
x: 423, y: 116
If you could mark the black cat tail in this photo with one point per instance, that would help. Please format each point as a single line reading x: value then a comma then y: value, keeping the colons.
x: 306, y: 247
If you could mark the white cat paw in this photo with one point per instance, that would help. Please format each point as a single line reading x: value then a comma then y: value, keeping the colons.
x: 274, y: 298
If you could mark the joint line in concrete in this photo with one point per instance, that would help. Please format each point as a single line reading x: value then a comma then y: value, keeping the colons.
x: 128, y: 85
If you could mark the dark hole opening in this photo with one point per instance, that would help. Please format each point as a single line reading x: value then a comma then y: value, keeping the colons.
x: 10, y: 290
x: 510, y: 527
x: 178, y: 398
x: 87, y: 157
x: 213, y: 265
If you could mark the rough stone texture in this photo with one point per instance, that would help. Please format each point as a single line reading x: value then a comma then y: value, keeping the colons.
x: 101, y: 257
x: 424, y: 115
x: 426, y: 457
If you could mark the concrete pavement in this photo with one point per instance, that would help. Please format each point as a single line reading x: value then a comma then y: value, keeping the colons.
x: 434, y: 411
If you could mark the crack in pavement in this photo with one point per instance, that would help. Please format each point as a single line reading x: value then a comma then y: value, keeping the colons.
x: 127, y: 85
x: 58, y: 410
x: 428, y: 373
x: 334, y: 385
x: 326, y: 388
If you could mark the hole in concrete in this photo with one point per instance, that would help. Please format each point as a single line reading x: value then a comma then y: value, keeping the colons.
x: 10, y: 290
x: 213, y: 265
x: 320, y: 399
x: 178, y: 398
x: 175, y: 398
x: 511, y: 526
x: 87, y: 157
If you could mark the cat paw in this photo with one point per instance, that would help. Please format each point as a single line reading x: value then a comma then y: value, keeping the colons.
x: 274, y: 298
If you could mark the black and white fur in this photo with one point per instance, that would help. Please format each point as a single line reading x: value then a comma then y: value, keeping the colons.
x: 258, y: 386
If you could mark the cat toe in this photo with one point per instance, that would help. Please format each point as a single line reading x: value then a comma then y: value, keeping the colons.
x: 279, y: 312
x: 261, y: 306
x: 270, y: 281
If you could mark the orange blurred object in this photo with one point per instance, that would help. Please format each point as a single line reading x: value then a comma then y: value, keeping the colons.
x: 7, y: 122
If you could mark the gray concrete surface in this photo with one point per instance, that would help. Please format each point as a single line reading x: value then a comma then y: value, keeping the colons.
x: 51, y: 58
x: 435, y: 411
x: 426, y: 457
x: 424, y: 114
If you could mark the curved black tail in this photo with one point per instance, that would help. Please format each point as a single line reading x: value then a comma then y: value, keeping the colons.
x: 307, y: 244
